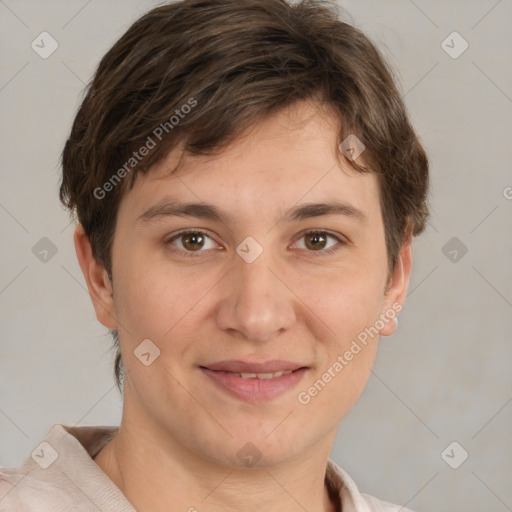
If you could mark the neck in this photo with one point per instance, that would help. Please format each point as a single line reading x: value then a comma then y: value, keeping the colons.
x: 153, y: 471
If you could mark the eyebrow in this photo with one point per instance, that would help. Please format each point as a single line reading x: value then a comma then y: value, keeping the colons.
x: 169, y: 208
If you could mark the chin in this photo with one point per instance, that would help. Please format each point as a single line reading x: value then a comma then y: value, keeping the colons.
x: 261, y: 450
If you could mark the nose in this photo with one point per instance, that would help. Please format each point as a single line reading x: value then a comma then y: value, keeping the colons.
x: 256, y: 301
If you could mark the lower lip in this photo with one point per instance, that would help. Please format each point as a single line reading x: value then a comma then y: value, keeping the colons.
x: 255, y: 390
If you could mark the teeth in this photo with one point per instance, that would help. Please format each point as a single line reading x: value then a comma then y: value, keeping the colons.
x: 262, y: 376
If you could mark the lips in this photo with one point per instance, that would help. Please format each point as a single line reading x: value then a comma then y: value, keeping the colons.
x: 254, y: 382
x: 261, y: 375
x: 247, y: 367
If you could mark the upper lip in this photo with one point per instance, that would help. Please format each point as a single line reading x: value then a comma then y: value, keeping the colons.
x: 247, y: 367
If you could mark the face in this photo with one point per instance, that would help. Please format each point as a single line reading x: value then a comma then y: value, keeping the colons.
x: 257, y: 282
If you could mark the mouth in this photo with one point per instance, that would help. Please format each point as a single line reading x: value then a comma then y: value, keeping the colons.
x: 254, y: 382
x: 262, y: 376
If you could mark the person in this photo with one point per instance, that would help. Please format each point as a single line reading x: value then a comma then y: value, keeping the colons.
x: 247, y: 185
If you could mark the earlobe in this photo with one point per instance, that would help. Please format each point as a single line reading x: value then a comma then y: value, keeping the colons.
x: 96, y: 277
x: 397, y: 289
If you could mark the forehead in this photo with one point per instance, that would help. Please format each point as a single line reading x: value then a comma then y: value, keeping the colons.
x: 288, y: 158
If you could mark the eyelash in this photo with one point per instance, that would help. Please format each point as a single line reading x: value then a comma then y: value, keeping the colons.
x: 193, y: 254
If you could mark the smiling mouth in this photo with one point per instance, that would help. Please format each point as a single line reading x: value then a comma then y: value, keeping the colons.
x: 262, y: 376
x: 255, y: 386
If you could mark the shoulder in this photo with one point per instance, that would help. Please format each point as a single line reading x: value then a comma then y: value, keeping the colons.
x: 352, y: 500
x: 376, y: 505
x: 60, y: 475
x: 22, y: 491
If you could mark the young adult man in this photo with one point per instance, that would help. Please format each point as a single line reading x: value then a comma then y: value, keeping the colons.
x: 247, y: 186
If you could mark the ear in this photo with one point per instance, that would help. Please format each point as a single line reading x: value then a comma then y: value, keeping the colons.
x: 98, y: 282
x: 397, y: 287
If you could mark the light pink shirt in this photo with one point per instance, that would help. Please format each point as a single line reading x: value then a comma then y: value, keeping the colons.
x: 60, y: 475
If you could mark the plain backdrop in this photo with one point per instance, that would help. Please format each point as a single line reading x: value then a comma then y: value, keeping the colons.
x: 445, y: 376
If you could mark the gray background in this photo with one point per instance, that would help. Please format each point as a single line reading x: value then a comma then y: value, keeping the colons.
x: 445, y: 376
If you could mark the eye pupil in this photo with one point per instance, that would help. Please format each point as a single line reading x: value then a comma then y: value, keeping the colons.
x: 193, y: 238
x: 317, y: 240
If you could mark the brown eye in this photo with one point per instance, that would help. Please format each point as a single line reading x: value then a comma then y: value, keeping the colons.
x: 192, y: 241
x: 189, y: 242
x: 315, y: 240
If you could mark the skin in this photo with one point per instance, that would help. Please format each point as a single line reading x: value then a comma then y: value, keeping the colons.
x: 179, y: 435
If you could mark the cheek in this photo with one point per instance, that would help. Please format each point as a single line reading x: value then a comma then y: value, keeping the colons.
x: 155, y: 301
x: 346, y: 302
x: 347, y: 355
x: 145, y: 303
x: 350, y: 306
x: 338, y: 388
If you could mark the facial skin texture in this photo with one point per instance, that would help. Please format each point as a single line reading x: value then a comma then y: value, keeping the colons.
x: 180, y: 434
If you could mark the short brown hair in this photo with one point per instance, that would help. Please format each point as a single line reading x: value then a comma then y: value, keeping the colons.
x: 204, y: 71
